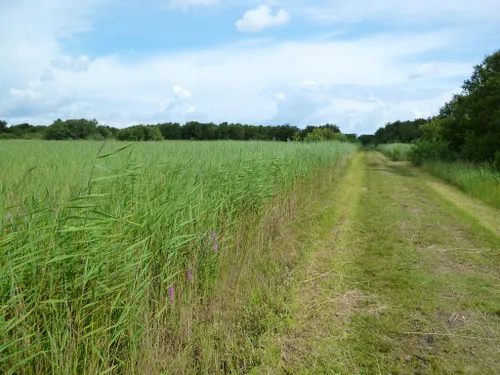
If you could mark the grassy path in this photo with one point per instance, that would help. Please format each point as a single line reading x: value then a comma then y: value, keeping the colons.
x: 403, y: 277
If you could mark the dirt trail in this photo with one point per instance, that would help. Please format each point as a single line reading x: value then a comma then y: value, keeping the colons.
x: 403, y: 277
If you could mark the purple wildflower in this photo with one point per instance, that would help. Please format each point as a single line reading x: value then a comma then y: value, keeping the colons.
x: 190, y: 274
x: 171, y: 293
x: 203, y: 239
x: 215, y: 244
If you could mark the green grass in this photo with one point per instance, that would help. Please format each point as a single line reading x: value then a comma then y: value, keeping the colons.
x: 479, y: 181
x: 109, y: 256
x: 399, y: 280
x: 396, y: 151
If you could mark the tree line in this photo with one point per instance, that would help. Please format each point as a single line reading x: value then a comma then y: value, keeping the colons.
x: 466, y: 128
x: 78, y: 129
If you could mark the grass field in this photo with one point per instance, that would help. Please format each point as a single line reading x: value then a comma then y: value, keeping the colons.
x: 396, y: 151
x: 129, y: 258
x: 479, y: 181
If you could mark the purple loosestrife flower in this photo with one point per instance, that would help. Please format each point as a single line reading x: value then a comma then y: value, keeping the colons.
x: 215, y: 244
x: 171, y: 292
x: 203, y: 239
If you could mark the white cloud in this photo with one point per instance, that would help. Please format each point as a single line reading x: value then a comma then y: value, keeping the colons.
x: 261, y: 18
x: 279, y: 96
x: 423, y: 11
x: 435, y: 69
x: 78, y: 64
x: 308, y: 82
x: 32, y: 33
x: 358, y: 82
x: 181, y: 93
x: 185, y: 4
x: 252, y: 83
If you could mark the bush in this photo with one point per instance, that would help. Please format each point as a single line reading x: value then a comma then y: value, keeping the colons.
x: 396, y: 151
x: 8, y: 136
x: 496, y: 161
x: 478, y: 180
x: 424, y: 151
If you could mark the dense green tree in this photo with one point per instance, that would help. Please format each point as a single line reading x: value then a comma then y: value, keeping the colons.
x: 170, y: 130
x: 400, y: 131
x: 106, y: 132
x: 469, y: 124
x: 192, y: 130
x: 352, y: 137
x: 481, y: 110
x: 140, y: 133
x: 3, y: 126
x: 367, y: 139
x: 325, y: 134
x: 71, y: 129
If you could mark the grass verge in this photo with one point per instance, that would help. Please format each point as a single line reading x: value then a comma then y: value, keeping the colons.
x: 396, y: 151
x: 481, y: 182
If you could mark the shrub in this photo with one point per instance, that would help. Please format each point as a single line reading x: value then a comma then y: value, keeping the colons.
x: 424, y: 151
x: 496, y: 161
x: 8, y: 136
x: 396, y: 151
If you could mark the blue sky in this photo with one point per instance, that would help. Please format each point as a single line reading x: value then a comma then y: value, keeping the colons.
x: 356, y: 63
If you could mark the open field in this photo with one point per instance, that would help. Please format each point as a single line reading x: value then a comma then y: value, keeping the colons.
x: 480, y: 181
x: 118, y: 260
x: 226, y: 257
x: 396, y: 151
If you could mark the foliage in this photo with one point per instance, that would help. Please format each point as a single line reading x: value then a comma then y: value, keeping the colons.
x: 367, y: 139
x: 324, y: 134
x: 466, y: 128
x: 140, y: 133
x: 470, y: 123
x: 496, y: 161
x: 3, y: 126
x: 192, y: 130
x: 8, y: 136
x: 100, y: 249
x: 396, y: 151
x: 479, y: 181
x: 425, y: 151
x: 400, y: 131
x: 71, y: 129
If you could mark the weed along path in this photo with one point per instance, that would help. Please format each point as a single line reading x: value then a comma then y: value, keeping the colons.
x: 402, y: 277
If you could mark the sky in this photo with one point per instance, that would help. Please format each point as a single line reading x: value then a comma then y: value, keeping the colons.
x: 357, y: 63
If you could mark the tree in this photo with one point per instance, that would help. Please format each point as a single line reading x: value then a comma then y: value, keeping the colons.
x: 481, y: 112
x: 469, y: 124
x: 170, y: 130
x: 325, y: 134
x: 72, y: 129
x: 3, y: 126
x: 367, y: 139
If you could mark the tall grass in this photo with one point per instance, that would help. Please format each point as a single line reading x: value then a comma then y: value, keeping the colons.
x: 479, y: 181
x: 396, y: 151
x: 108, y: 253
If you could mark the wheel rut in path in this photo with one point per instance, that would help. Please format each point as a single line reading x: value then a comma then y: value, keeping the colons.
x: 402, y: 277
